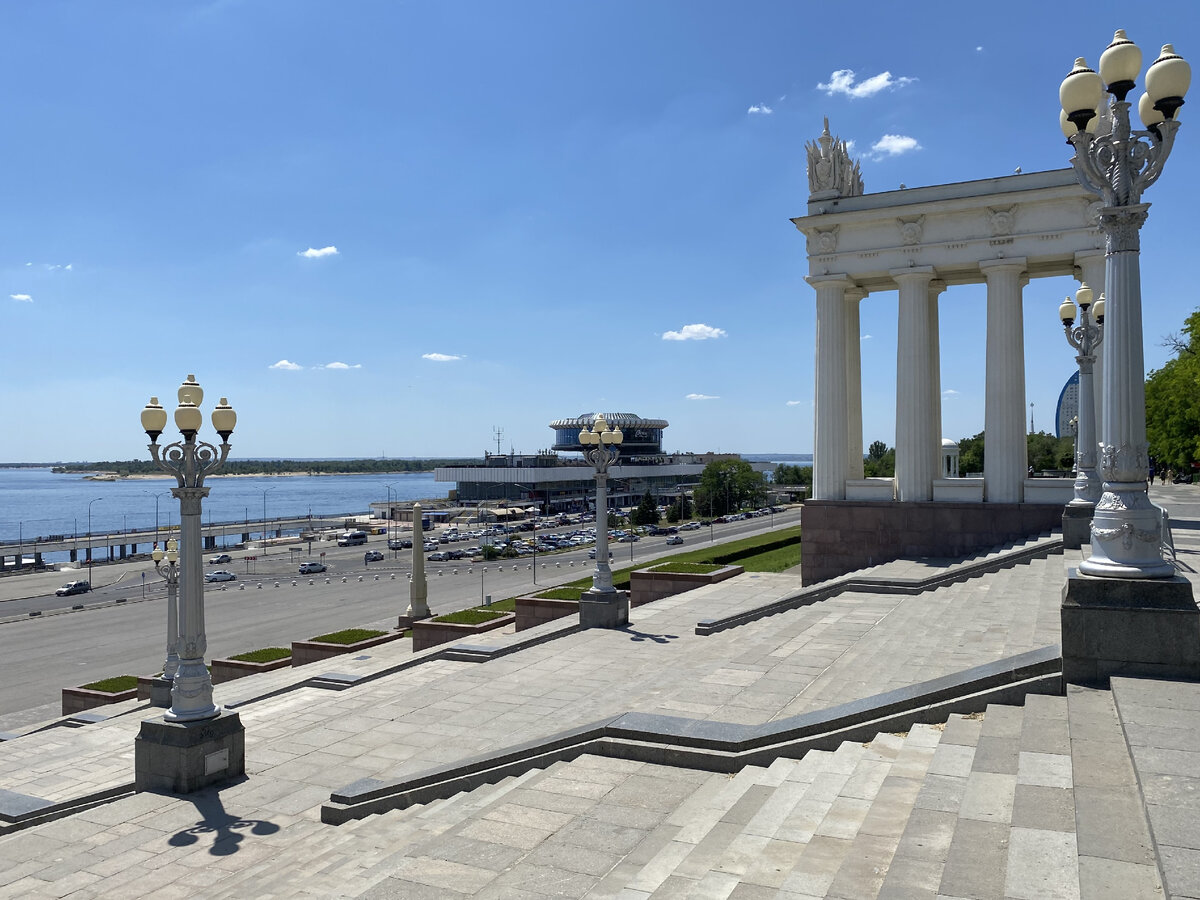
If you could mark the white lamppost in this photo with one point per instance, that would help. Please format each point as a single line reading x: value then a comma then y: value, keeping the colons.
x: 1117, y: 163
x: 190, y: 461
x: 166, y: 564
x: 602, y: 443
x: 1085, y: 338
x: 89, y: 549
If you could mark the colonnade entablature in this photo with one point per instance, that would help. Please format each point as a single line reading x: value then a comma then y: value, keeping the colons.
x: 920, y: 241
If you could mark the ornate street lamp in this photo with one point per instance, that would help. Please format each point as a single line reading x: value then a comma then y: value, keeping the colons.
x: 190, y: 461
x: 602, y: 443
x: 166, y: 564
x: 1085, y: 338
x: 1117, y: 163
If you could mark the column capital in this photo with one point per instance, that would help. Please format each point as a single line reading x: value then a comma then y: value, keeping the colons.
x: 937, y: 286
x: 913, y: 273
x: 857, y: 294
x: 823, y: 280
x: 994, y: 265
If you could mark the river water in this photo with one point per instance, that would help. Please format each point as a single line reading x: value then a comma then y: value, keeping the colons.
x: 39, y: 502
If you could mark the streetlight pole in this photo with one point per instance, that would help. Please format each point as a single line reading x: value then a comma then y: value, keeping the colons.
x: 264, y: 493
x: 190, y: 461
x: 166, y: 564
x: 603, y: 443
x: 156, y: 496
x: 1085, y: 339
x: 395, y: 550
x: 1117, y: 163
x: 89, y: 537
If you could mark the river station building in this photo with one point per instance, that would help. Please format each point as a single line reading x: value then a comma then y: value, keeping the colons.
x: 552, y: 481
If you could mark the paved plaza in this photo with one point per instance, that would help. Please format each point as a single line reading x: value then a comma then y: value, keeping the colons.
x: 1088, y: 795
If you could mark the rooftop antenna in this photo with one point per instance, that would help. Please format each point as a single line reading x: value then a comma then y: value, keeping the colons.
x: 499, y: 434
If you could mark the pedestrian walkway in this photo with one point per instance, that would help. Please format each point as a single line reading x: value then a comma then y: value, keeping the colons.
x: 898, y: 817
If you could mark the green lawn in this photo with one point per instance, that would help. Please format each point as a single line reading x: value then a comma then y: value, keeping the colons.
x: 348, y: 636
x: 114, y: 685
x: 266, y: 655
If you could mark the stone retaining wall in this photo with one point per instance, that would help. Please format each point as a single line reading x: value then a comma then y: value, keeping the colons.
x: 428, y: 633
x: 647, y: 586
x: 78, y: 699
x: 840, y: 536
x: 229, y: 669
x: 305, y: 652
x: 534, y: 611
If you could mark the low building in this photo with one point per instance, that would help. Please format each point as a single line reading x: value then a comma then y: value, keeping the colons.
x: 566, y: 483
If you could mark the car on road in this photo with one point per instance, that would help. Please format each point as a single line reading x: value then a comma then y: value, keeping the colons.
x: 311, y: 568
x: 690, y: 526
x: 373, y: 556
x: 674, y: 539
x: 220, y: 558
x: 592, y: 553
x: 399, y: 544
x: 628, y: 539
x: 219, y: 575
x: 73, y: 587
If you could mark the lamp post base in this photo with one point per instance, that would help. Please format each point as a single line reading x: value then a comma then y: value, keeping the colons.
x: 1129, y: 626
x: 1077, y: 524
x: 182, y: 757
x: 607, y: 609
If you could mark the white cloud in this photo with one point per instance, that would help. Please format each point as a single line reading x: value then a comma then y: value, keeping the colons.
x: 894, y: 145
x: 312, y: 253
x: 701, y: 397
x: 24, y: 298
x: 760, y: 109
x: 69, y: 266
x: 794, y: 402
x: 441, y: 357
x: 341, y: 365
x: 949, y: 392
x: 842, y: 82
x: 866, y: 337
x: 284, y: 364
x: 698, y: 332
x: 979, y: 49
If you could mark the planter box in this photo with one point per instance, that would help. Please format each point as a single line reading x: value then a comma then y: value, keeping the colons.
x: 428, y: 633
x: 228, y: 669
x: 532, y: 611
x: 647, y: 586
x: 305, y: 652
x: 78, y: 699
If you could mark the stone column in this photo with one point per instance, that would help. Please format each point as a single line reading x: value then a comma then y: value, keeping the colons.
x: 418, y: 588
x: 916, y: 363
x: 936, y: 288
x: 854, y: 423
x: 830, y: 429
x: 1091, y: 269
x: 1005, y: 458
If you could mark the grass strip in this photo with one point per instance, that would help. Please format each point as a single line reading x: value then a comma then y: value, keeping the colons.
x: 348, y: 636
x: 469, y: 617
x: 114, y: 685
x: 265, y: 655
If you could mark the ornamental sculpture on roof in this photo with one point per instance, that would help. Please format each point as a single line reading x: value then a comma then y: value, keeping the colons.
x: 831, y: 172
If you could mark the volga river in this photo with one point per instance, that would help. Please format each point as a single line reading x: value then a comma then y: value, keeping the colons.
x: 38, y: 502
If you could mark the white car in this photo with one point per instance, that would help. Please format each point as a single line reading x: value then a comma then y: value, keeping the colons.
x: 219, y: 575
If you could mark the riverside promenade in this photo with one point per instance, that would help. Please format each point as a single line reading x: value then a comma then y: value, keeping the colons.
x: 951, y: 768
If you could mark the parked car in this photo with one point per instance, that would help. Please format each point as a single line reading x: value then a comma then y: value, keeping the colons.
x: 220, y: 558
x: 628, y: 538
x: 373, y: 556
x: 219, y: 575
x: 399, y: 544
x: 438, y: 556
x: 690, y: 526
x: 674, y: 539
x: 311, y: 568
x: 73, y: 587
x: 430, y: 545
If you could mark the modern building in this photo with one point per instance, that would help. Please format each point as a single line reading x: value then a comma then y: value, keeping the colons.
x: 565, y: 483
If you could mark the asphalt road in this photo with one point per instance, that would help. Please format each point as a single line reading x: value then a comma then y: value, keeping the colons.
x: 62, y: 648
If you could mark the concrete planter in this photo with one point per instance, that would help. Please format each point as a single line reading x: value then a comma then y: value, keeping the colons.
x: 646, y: 585
x: 428, y: 633
x: 78, y: 699
x: 229, y: 669
x: 533, y: 611
x: 305, y: 652
x: 146, y: 684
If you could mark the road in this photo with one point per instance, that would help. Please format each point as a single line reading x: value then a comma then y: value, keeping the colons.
x: 43, y: 654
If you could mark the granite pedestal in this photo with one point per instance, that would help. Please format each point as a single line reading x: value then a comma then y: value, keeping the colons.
x: 1077, y: 526
x: 182, y: 757
x: 1129, y: 626
x: 160, y: 692
x: 604, y: 610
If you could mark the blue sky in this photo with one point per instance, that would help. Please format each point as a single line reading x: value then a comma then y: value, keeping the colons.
x: 511, y: 210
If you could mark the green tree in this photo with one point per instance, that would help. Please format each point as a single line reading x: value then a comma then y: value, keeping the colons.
x: 647, y: 511
x: 789, y: 474
x: 1045, y: 451
x: 1173, y: 401
x: 727, y: 485
x: 970, y: 454
x: 880, y: 461
x: 679, y: 510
